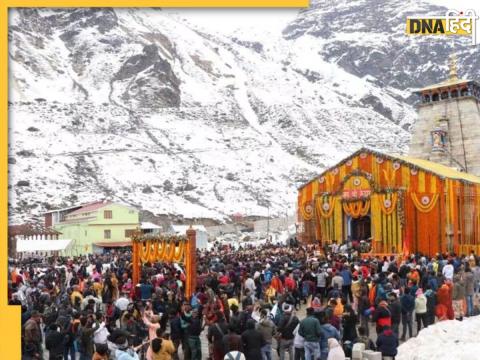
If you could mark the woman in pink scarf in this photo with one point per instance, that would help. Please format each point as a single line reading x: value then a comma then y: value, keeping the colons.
x: 127, y: 287
x: 153, y: 323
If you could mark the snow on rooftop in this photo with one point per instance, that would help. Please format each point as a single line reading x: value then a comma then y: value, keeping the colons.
x: 149, y: 225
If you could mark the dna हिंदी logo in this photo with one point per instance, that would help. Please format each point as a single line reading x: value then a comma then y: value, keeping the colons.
x: 454, y: 22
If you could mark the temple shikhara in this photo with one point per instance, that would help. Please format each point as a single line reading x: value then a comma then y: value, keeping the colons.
x: 426, y: 202
x: 447, y: 130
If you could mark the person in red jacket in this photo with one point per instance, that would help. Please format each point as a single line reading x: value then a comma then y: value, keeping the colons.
x: 382, y: 316
x: 277, y: 284
x: 290, y: 283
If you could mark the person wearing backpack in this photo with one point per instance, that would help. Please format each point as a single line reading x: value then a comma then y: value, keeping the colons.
x: 285, y: 329
x: 216, y: 332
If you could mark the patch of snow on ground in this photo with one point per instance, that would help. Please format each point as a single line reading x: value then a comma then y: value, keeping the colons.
x: 446, y: 340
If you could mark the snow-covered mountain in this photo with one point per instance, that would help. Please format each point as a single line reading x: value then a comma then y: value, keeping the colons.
x: 146, y: 107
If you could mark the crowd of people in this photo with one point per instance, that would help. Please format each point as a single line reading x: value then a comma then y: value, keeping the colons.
x: 253, y: 303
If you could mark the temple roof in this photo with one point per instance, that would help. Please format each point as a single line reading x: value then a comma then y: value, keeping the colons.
x: 425, y: 165
x: 446, y: 83
x: 452, y: 80
x: 439, y: 169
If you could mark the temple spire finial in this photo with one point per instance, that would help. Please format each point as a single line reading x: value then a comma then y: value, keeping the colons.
x: 453, y: 67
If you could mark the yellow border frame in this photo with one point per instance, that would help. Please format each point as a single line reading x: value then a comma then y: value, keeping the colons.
x: 10, y: 315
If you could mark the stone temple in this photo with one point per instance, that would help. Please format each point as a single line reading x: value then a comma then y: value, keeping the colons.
x: 448, y: 127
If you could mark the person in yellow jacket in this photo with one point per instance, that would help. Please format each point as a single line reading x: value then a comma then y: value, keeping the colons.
x: 435, y: 266
x: 270, y: 294
x: 76, y: 294
x: 98, y: 287
x: 162, y: 348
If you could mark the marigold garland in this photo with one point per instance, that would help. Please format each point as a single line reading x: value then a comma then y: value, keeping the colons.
x: 393, y: 203
x: 425, y: 208
x: 307, y: 211
x: 178, y: 254
x: 357, y: 209
x: 160, y: 248
x: 320, y: 202
x: 153, y: 251
x: 145, y: 251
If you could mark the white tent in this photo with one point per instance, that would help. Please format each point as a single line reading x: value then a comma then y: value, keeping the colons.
x: 201, y: 234
x: 42, y: 245
x: 182, y: 229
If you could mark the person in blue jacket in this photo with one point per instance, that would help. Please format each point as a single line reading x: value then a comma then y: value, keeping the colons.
x: 327, y: 331
x: 407, y: 301
x: 387, y: 342
x: 346, y: 275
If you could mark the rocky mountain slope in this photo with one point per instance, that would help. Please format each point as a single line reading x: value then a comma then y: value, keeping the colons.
x: 147, y: 108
